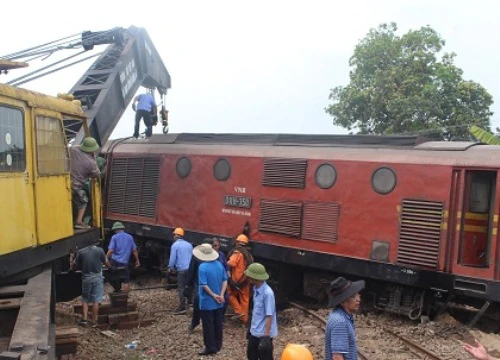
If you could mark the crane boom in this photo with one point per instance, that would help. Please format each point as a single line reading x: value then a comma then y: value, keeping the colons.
x: 110, y: 83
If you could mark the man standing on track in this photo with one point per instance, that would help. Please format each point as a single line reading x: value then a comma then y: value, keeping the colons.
x: 120, y: 248
x: 238, y: 261
x: 264, y: 326
x: 212, y: 279
x: 146, y: 106
x: 340, y: 333
x: 180, y: 257
x: 90, y: 261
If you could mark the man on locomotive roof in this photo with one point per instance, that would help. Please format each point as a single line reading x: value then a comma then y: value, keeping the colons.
x: 239, y: 286
x: 83, y: 166
x: 180, y: 257
x: 146, y: 106
x: 340, y: 334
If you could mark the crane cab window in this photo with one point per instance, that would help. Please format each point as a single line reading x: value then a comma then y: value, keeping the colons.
x: 12, y: 144
x: 52, y: 153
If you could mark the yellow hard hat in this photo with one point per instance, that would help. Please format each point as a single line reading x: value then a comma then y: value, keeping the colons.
x: 242, y: 238
x: 179, y: 231
x: 296, y: 352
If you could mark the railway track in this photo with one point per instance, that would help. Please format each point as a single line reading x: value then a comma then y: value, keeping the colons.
x: 397, y: 346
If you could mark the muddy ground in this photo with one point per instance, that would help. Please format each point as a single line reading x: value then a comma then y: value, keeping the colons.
x: 168, y: 337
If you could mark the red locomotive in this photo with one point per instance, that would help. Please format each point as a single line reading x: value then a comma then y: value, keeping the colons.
x: 420, y: 220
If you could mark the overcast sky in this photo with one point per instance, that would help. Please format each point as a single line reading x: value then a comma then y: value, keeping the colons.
x: 256, y: 66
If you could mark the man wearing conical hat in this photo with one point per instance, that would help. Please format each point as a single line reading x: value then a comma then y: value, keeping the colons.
x: 83, y: 166
x: 212, y: 284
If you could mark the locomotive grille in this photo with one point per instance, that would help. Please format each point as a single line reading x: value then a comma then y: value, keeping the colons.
x: 320, y: 221
x: 281, y: 217
x: 420, y: 232
x: 134, y: 186
x: 288, y: 173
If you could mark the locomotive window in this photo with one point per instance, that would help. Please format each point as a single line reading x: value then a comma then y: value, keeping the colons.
x: 384, y: 180
x: 52, y: 154
x: 12, y: 147
x: 479, y: 198
x: 222, y: 169
x: 183, y: 167
x: 325, y: 176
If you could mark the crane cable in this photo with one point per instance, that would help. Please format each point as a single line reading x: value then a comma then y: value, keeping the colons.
x: 46, y: 50
x: 17, y: 82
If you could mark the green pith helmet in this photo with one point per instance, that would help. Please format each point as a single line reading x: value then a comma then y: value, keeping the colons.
x: 118, y: 226
x: 89, y: 145
x: 257, y: 271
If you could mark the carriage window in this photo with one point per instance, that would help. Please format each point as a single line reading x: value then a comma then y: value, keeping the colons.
x: 479, y: 198
x: 12, y: 147
x: 52, y: 154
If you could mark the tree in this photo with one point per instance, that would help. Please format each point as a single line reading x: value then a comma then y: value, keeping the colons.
x: 484, y: 136
x: 398, y: 85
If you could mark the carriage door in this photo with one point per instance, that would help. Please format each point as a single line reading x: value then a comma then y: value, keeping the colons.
x: 52, y: 184
x: 477, y: 218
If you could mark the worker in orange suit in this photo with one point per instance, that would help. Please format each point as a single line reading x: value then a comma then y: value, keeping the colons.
x: 239, y: 285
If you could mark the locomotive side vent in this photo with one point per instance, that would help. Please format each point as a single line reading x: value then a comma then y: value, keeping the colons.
x: 280, y: 217
x: 320, y: 221
x: 134, y: 186
x: 420, y: 232
x: 288, y: 173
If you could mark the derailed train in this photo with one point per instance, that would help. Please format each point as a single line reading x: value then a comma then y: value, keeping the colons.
x: 420, y: 220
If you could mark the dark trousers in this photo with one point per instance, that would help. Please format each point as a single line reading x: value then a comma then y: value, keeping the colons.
x: 146, y: 115
x: 253, y: 350
x: 181, y: 284
x: 195, y: 320
x: 212, y: 329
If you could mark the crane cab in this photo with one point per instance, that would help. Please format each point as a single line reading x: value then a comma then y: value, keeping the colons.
x: 35, y: 186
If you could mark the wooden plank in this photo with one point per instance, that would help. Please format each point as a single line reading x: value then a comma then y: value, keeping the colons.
x: 32, y: 327
x: 135, y: 324
x: 13, y: 291
x: 127, y: 325
x: 6, y: 304
x: 123, y: 317
x: 67, y: 332
x: 4, y: 343
x: 106, y: 308
x: 66, y: 341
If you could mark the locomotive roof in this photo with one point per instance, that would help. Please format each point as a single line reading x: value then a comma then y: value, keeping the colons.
x: 364, y: 148
x: 289, y: 139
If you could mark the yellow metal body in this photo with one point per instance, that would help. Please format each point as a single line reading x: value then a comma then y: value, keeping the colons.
x: 36, y: 207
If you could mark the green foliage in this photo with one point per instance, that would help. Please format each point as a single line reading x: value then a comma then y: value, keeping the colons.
x: 484, y: 136
x: 398, y: 85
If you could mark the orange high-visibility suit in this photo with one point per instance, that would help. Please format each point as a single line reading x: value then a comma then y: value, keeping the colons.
x: 239, y: 299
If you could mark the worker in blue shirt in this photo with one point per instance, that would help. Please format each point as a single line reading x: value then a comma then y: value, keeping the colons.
x: 145, y: 108
x: 264, y: 326
x: 222, y: 259
x: 212, y: 279
x: 180, y: 257
x: 120, y: 248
